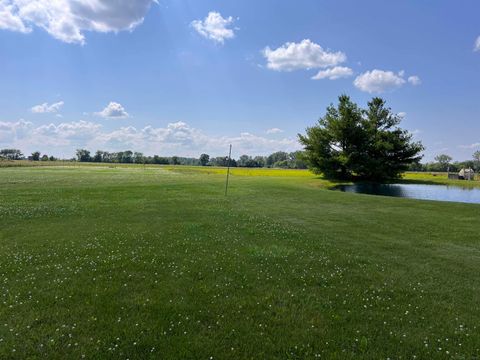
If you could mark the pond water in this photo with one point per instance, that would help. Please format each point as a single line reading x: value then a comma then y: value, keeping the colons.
x: 417, y: 191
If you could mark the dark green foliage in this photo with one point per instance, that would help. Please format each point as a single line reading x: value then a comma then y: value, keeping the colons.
x: 11, y: 154
x: 248, y: 161
x: 219, y: 161
x: 350, y: 142
x: 138, y: 158
x: 204, y: 159
x: 98, y: 157
x: 276, y: 157
x: 444, y: 161
x: 83, y: 155
x: 36, y: 156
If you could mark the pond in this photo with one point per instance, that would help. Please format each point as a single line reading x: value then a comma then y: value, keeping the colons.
x: 417, y: 191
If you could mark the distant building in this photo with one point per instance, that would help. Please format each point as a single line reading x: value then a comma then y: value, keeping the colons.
x: 466, y: 174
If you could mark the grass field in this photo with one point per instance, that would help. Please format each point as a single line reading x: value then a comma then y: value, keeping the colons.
x: 129, y: 262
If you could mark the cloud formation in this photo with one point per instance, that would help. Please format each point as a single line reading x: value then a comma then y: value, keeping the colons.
x: 68, y: 20
x: 45, y: 108
x: 379, y: 81
x: 113, y: 110
x: 470, y: 146
x: 215, y: 27
x: 334, y: 73
x: 300, y: 56
x: 177, y: 138
x: 414, y: 80
x: 274, y: 131
x: 476, y: 46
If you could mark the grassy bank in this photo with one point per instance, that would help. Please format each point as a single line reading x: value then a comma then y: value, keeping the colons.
x: 133, y: 262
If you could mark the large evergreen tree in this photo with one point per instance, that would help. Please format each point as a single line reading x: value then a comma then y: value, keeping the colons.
x: 350, y: 142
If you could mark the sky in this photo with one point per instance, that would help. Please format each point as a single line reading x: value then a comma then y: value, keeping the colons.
x: 185, y: 77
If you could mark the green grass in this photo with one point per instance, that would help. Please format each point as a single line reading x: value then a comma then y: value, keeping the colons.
x: 156, y: 263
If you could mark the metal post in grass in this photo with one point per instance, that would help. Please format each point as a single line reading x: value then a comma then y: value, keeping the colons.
x: 228, y: 169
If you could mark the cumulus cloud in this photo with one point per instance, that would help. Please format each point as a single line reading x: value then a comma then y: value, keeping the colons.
x: 215, y: 27
x: 274, y: 131
x: 402, y: 114
x: 177, y: 138
x: 476, y: 46
x: 379, y: 81
x: 11, y: 21
x: 46, y: 108
x: 414, y: 80
x: 68, y: 20
x: 10, y: 132
x: 303, y: 55
x: 334, y: 73
x: 113, y: 110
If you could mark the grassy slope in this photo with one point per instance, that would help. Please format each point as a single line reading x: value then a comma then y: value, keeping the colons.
x: 132, y: 263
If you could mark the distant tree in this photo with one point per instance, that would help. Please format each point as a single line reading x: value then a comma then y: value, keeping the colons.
x: 127, y: 157
x: 476, y: 160
x: 220, y: 161
x: 11, y: 154
x: 83, y: 155
x: 107, y: 157
x: 160, y: 160
x: 283, y: 164
x: 297, y: 160
x: 350, y: 142
x: 44, y: 157
x: 204, y: 159
x: 174, y: 160
x: 52, y: 158
x: 417, y: 166
x: 467, y: 164
x: 276, y: 157
x: 444, y: 161
x: 260, y: 161
x: 243, y: 160
x: 36, y: 156
x: 138, y: 158
x: 98, y: 157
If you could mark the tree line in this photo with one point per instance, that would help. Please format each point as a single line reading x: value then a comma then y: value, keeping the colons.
x: 444, y: 162
x: 279, y: 159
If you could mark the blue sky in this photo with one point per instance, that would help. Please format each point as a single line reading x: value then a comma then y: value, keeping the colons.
x: 186, y: 77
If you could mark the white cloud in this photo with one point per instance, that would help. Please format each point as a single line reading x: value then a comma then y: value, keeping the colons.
x: 402, y: 114
x: 10, y: 132
x: 67, y: 20
x: 470, y: 146
x: 414, y: 80
x: 176, y: 138
x: 476, y: 46
x: 379, y: 81
x: 45, y: 108
x: 334, y: 73
x: 113, y: 110
x: 274, y: 131
x: 215, y: 27
x: 9, y: 20
x: 303, y: 55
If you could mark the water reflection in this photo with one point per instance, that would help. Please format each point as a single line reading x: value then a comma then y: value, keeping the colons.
x: 416, y: 191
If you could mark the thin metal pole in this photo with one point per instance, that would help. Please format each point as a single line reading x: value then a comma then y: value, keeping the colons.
x: 228, y: 169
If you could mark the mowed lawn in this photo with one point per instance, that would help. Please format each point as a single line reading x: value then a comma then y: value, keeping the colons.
x: 156, y: 263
